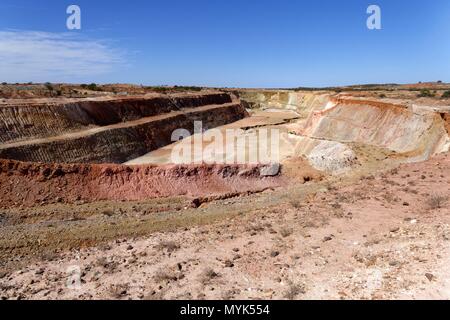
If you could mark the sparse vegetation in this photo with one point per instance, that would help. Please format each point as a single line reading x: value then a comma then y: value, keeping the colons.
x: 164, y: 275
x: 92, y: 87
x: 446, y: 94
x: 436, y: 201
x: 208, y: 275
x: 108, y: 212
x: 293, y: 290
x: 170, y: 246
x: 187, y: 88
x: 117, y: 291
x: 49, y: 86
x: 164, y: 89
x: 336, y: 205
x: 389, y: 197
x: 295, y: 203
x: 425, y: 93
x: 256, y: 228
x: 286, y: 231
x: 160, y: 89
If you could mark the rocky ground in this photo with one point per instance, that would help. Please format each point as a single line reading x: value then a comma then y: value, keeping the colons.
x: 383, y: 236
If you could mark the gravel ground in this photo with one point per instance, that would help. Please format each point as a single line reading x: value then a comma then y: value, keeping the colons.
x: 384, y: 236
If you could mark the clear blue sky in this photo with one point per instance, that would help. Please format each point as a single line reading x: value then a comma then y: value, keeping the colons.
x: 245, y: 43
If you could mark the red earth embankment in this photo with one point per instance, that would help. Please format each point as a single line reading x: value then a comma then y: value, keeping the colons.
x: 29, y: 184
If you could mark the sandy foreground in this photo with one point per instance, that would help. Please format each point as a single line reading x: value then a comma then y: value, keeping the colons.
x: 387, y: 236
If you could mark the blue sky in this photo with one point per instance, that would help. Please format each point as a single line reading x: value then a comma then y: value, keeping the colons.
x: 246, y: 43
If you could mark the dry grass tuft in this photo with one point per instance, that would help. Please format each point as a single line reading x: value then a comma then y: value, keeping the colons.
x: 118, y: 291
x: 170, y: 246
x: 208, y: 275
x: 163, y: 275
x: 436, y: 201
x: 286, y: 231
x: 293, y: 290
x: 295, y: 203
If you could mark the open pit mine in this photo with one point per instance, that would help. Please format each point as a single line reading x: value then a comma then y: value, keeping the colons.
x: 92, y: 183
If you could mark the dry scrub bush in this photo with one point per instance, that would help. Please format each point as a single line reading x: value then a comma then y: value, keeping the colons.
x: 436, y: 201
x: 294, y: 290
x: 207, y: 275
x: 295, y: 203
x: 170, y: 246
x: 286, y: 231
x: 164, y: 275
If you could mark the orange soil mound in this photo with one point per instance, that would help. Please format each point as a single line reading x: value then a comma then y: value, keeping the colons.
x: 29, y: 184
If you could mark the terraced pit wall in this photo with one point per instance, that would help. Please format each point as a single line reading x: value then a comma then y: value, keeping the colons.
x: 417, y: 135
x: 301, y: 102
x: 144, y: 125
x: 37, y: 119
x: 328, y: 118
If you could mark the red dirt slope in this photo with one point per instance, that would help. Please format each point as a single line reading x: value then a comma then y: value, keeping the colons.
x: 29, y: 184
